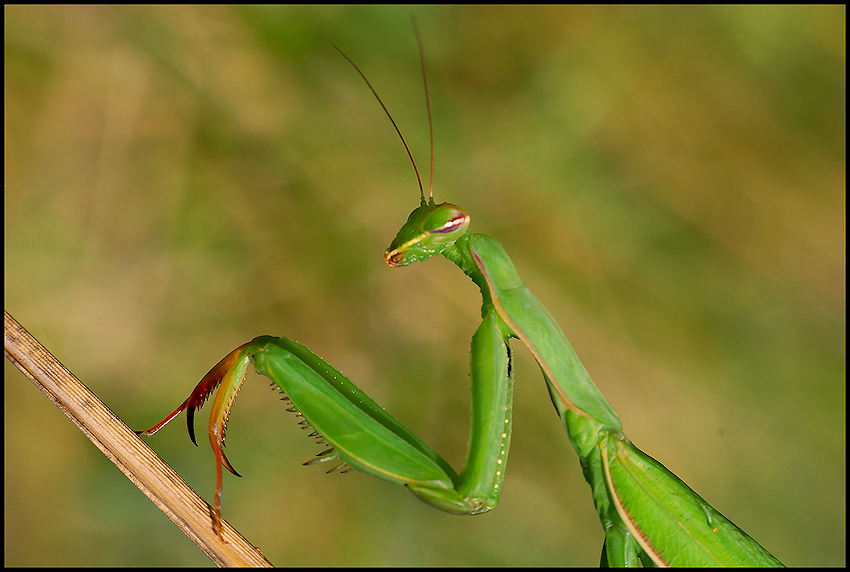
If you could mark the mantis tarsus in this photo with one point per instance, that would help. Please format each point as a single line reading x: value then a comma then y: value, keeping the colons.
x: 649, y: 516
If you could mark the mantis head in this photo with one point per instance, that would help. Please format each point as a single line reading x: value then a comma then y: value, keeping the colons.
x: 431, y: 228
x: 428, y: 231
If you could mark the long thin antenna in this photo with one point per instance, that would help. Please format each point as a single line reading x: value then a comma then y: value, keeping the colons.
x: 375, y: 93
x: 427, y: 104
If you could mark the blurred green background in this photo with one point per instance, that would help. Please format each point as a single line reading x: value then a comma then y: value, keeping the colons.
x: 669, y: 181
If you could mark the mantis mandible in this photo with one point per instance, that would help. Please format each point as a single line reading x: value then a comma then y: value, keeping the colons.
x: 649, y: 515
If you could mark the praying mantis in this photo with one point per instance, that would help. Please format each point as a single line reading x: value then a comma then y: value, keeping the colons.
x: 649, y: 516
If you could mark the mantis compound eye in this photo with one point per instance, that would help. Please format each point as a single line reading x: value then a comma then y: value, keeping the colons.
x: 447, y: 219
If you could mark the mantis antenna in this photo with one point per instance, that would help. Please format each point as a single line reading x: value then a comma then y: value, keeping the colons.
x: 427, y: 105
x: 397, y: 130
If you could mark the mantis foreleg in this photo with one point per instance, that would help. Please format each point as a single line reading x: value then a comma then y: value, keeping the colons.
x: 360, y: 433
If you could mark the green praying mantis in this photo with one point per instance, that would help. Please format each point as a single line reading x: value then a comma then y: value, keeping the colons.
x: 649, y: 516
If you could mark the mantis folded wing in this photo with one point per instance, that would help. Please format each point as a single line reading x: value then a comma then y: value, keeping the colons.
x: 648, y: 514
